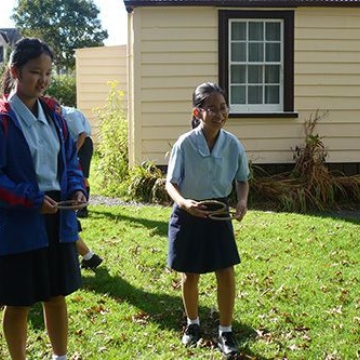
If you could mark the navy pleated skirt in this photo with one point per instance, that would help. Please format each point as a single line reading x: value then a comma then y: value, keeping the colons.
x: 198, y: 245
x: 36, y: 276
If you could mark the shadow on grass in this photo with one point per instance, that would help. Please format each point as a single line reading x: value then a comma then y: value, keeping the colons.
x: 351, y: 216
x: 166, y: 310
x: 160, y: 226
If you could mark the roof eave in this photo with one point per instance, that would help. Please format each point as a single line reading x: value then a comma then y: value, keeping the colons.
x: 131, y: 4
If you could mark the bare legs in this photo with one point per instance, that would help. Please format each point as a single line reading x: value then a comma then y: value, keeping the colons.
x: 15, y: 330
x: 56, y: 322
x: 15, y: 327
x: 225, y: 294
x: 190, y: 293
x: 82, y: 248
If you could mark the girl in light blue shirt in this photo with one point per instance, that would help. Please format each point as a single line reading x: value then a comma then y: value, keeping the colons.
x: 38, y: 168
x: 204, y: 164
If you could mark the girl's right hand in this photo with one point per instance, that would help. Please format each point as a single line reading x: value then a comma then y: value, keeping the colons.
x: 194, y: 208
x: 48, y: 206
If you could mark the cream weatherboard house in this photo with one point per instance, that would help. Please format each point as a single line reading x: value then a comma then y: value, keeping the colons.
x: 280, y: 61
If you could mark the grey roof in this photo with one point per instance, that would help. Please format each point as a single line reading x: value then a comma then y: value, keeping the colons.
x: 130, y: 4
x: 10, y: 35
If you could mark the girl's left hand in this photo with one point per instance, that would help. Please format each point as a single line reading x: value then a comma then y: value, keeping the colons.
x: 241, y: 210
x: 79, y: 196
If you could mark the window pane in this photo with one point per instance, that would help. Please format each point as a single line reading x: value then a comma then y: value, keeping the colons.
x: 238, y: 52
x: 255, y: 74
x: 256, y: 31
x: 272, y: 52
x: 251, y: 61
x: 272, y: 31
x: 255, y: 95
x: 238, y: 31
x: 272, y: 94
x: 238, y: 74
x: 256, y: 52
x: 272, y: 74
x: 238, y: 95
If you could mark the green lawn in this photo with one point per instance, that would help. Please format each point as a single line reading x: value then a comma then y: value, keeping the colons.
x: 298, y: 293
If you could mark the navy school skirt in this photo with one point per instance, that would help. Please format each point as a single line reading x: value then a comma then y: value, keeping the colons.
x: 198, y: 245
x: 38, y: 275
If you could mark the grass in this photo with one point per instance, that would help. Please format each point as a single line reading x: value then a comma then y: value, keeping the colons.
x: 298, y: 291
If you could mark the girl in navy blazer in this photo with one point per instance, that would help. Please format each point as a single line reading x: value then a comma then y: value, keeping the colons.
x: 38, y: 168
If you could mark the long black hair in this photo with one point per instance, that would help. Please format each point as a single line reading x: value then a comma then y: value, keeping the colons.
x: 201, y: 93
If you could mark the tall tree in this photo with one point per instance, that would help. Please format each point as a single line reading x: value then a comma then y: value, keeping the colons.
x: 65, y: 25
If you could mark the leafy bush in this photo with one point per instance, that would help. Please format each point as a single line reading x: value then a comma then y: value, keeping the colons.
x: 112, y: 168
x: 147, y: 184
x: 63, y: 88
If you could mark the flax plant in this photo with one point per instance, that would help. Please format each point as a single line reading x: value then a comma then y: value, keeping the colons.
x: 310, y: 185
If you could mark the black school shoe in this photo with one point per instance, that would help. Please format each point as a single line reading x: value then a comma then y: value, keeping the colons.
x: 92, y: 264
x: 191, y: 335
x: 227, y: 344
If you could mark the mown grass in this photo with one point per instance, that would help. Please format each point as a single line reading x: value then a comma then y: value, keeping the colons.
x: 298, y: 294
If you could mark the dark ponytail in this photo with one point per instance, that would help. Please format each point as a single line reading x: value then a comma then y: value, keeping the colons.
x: 7, y: 82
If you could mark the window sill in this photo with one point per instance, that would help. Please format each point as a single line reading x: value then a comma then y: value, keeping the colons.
x: 252, y: 115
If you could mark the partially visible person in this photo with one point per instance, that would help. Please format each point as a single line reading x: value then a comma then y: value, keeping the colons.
x: 80, y: 130
x: 90, y: 260
x: 38, y: 168
x: 204, y: 164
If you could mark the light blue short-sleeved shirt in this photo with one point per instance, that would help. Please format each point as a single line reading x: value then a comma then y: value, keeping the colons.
x: 77, y: 122
x: 43, y: 142
x: 201, y: 174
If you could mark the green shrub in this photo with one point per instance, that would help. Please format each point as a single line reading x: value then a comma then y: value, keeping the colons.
x: 112, y: 168
x: 147, y: 184
x: 63, y: 88
x: 144, y: 183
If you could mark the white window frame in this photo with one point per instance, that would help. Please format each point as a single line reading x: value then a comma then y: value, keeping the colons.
x: 258, y: 108
x: 285, y: 108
